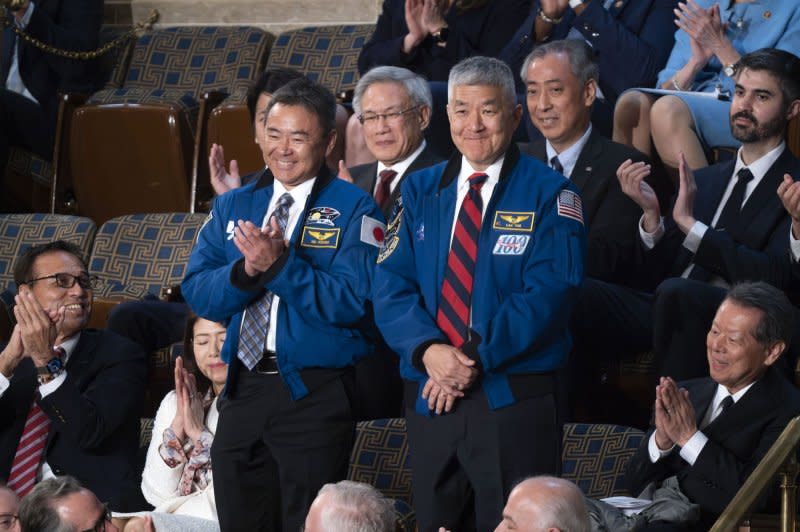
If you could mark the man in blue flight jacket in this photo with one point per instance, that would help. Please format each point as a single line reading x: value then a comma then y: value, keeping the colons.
x: 287, y: 262
x: 475, y: 301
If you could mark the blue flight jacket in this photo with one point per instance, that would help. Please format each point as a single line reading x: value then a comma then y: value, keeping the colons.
x: 323, y: 279
x: 528, y: 272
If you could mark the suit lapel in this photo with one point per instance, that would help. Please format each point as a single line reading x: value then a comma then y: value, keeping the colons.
x: 701, y: 396
x: 582, y: 173
x: 763, y: 205
x: 8, y: 48
x: 706, y: 207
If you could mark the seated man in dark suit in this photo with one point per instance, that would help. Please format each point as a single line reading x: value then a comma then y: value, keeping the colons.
x: 393, y: 105
x: 712, y: 432
x: 63, y: 504
x: 33, y: 78
x: 561, y: 79
x: 728, y: 224
x: 69, y: 396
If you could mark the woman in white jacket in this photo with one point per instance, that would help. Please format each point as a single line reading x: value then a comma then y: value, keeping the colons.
x: 177, y: 473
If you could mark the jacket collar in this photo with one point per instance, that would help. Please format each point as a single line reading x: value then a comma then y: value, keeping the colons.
x: 453, y: 166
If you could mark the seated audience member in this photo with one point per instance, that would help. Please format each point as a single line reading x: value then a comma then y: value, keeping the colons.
x: 429, y: 37
x: 687, y: 113
x: 545, y: 503
x: 75, y: 389
x: 561, y: 79
x: 153, y: 323
x: 728, y: 224
x: 349, y: 506
x: 9, y: 510
x: 33, y: 78
x: 62, y: 504
x: 177, y: 473
x: 709, y: 434
x: 631, y: 41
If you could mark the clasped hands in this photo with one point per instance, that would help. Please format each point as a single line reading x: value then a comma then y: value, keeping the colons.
x: 423, y: 18
x: 674, y: 415
x: 188, y: 419
x: 260, y: 248
x: 34, y: 334
x: 450, y: 372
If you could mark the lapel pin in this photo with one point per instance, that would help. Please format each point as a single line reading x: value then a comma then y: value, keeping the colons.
x: 767, y: 14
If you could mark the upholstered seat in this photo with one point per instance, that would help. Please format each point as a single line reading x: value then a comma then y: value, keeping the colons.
x: 157, y: 120
x: 594, y: 456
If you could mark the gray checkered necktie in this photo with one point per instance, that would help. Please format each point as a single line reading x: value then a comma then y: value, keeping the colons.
x: 255, y: 325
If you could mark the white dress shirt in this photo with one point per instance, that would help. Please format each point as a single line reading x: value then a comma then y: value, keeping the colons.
x: 400, y: 167
x: 569, y: 157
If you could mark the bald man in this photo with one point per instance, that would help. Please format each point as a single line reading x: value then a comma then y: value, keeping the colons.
x: 540, y: 504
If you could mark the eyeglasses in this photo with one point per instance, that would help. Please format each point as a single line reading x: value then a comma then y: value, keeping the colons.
x: 100, y: 525
x: 7, y: 521
x: 67, y: 280
x: 371, y: 119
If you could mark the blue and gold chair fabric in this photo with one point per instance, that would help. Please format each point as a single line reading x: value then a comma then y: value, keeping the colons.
x: 326, y: 54
x: 141, y: 254
x: 594, y: 456
x: 18, y: 232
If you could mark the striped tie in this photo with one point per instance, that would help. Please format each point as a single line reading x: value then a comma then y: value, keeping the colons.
x: 29, y: 451
x: 453, y: 314
x: 255, y: 325
x: 384, y: 191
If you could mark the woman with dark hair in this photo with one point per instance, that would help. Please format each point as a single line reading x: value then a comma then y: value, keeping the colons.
x: 177, y: 472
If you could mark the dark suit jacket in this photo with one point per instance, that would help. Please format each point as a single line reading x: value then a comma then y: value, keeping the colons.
x: 609, y: 212
x: 365, y: 175
x: 480, y: 31
x: 754, y: 249
x: 632, y: 41
x: 70, y: 25
x: 737, y: 440
x: 94, y: 414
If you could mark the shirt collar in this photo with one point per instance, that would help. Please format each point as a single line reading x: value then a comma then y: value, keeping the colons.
x: 760, y: 166
x: 493, y: 172
x: 722, y: 393
x: 402, y: 166
x: 569, y: 157
x: 69, y: 346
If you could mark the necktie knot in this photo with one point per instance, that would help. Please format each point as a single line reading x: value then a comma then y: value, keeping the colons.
x: 281, y: 212
x: 477, y: 180
x: 744, y: 175
x: 725, y: 403
x: 387, y: 175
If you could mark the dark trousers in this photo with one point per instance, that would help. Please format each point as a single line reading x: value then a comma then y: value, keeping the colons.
x: 271, y: 455
x: 24, y: 124
x: 465, y: 463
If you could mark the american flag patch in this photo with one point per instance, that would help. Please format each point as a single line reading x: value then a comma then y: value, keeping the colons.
x: 570, y: 205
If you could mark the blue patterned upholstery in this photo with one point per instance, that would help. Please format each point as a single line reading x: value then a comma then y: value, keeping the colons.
x: 594, y: 456
x: 380, y: 457
x: 18, y: 232
x: 326, y: 54
x: 198, y: 59
x: 141, y: 253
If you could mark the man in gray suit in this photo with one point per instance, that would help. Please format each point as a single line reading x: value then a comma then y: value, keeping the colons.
x: 394, y: 106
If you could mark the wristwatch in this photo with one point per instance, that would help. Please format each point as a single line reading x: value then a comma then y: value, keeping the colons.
x: 54, y: 366
x: 729, y: 70
x: 440, y: 35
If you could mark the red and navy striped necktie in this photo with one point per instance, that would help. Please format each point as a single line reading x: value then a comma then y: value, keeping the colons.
x: 454, y: 307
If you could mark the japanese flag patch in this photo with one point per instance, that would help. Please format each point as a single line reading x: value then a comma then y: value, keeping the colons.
x: 373, y: 231
x: 570, y: 205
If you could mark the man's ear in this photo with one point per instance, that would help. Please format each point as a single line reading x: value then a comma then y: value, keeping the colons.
x: 331, y: 143
x: 424, y: 117
x: 774, y: 352
x: 23, y: 289
x: 793, y: 110
x: 590, y: 92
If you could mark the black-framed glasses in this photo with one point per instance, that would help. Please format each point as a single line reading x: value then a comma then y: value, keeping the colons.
x: 67, y: 280
x: 7, y: 521
x: 371, y: 119
x: 100, y: 525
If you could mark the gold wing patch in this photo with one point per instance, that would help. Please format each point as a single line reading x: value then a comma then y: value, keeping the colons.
x: 320, y: 238
x: 514, y: 221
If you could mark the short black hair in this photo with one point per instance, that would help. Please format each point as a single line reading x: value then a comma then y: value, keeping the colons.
x: 312, y: 96
x: 267, y: 83
x: 777, y: 322
x: 23, y: 268
x: 782, y: 64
